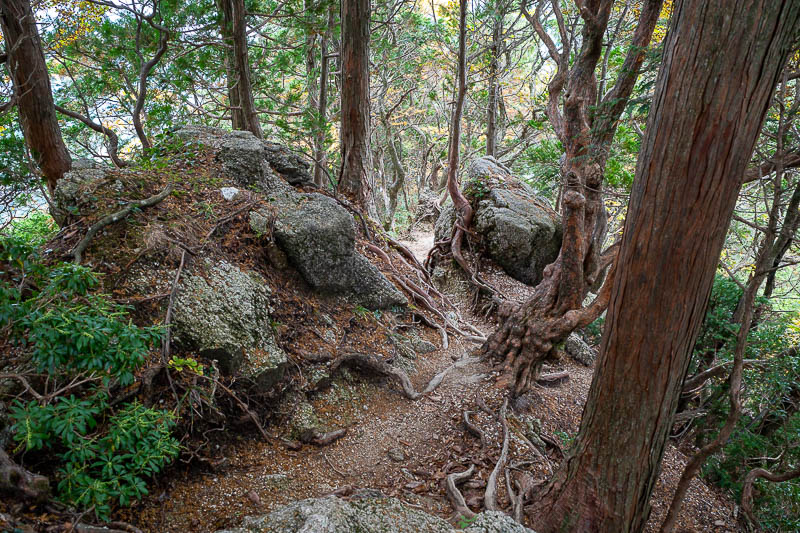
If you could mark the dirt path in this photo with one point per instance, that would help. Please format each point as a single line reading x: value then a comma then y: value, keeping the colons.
x: 400, y: 447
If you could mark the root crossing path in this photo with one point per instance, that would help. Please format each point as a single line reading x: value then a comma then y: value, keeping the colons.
x: 404, y: 448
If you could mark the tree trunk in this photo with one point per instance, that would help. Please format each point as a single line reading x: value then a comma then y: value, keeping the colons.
x: 394, y: 143
x: 250, y: 120
x: 354, y: 179
x: 34, y: 96
x: 529, y: 333
x: 491, y: 111
x: 721, y: 63
x: 226, y: 30
x: 320, y: 156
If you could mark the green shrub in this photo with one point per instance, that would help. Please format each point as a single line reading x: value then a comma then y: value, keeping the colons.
x: 106, y: 452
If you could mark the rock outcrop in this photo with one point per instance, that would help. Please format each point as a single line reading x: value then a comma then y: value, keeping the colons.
x: 312, y: 231
x: 369, y: 514
x: 223, y: 313
x: 519, y: 230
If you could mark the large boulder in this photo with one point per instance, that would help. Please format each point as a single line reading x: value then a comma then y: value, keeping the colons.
x: 519, y: 230
x: 223, y: 313
x: 318, y: 237
x: 367, y: 515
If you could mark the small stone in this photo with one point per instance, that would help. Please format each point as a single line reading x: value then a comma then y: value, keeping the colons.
x: 719, y: 523
x: 396, y: 454
x: 229, y: 193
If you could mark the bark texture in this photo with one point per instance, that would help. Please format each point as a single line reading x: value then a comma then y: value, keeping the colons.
x: 244, y: 83
x: 720, y: 65
x: 33, y: 94
x: 355, y: 123
x: 530, y: 332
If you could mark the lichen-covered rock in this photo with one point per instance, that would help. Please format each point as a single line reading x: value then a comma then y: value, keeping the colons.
x: 495, y: 522
x: 223, y: 313
x: 71, y: 196
x: 288, y: 164
x: 518, y: 229
x: 366, y: 515
x: 304, y: 424
x: 334, y: 515
x: 577, y: 349
x: 318, y: 238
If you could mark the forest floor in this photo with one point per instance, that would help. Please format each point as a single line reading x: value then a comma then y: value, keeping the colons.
x: 405, y: 448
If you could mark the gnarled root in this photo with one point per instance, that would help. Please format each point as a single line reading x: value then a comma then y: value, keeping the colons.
x: 455, y: 496
x: 17, y: 480
x: 375, y: 364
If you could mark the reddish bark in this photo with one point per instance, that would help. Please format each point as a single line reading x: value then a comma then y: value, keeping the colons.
x: 33, y: 94
x: 529, y: 334
x: 720, y: 65
x: 356, y: 158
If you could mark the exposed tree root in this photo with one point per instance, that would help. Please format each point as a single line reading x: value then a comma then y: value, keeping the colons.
x: 374, y: 364
x: 17, y: 480
x: 323, y: 439
x: 553, y: 379
x: 455, y: 496
x: 473, y: 429
x: 490, y: 496
x: 77, y: 252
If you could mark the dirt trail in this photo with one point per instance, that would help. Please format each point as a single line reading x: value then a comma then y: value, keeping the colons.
x: 399, y: 447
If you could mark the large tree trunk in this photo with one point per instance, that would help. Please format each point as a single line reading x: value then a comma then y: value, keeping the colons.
x: 529, y: 333
x: 354, y: 179
x: 226, y: 30
x: 720, y: 65
x: 32, y: 91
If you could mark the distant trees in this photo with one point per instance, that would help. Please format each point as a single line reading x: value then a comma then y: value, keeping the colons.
x: 721, y: 63
x: 32, y: 92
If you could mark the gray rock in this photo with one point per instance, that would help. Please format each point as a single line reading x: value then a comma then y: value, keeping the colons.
x: 577, y: 349
x: 520, y: 231
x: 229, y: 193
x: 288, y: 164
x: 334, y: 515
x: 304, y: 424
x: 223, y: 313
x: 366, y: 515
x: 318, y: 238
x: 495, y: 522
x: 72, y: 194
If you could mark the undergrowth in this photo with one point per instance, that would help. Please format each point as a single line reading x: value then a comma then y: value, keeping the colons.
x: 75, y: 350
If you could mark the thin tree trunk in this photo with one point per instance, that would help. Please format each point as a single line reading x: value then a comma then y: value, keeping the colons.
x: 249, y: 114
x: 461, y: 204
x: 491, y: 112
x: 354, y: 180
x: 393, y: 142
x: 144, y: 72
x: 320, y: 156
x: 32, y: 91
x: 699, y: 139
x: 226, y: 30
